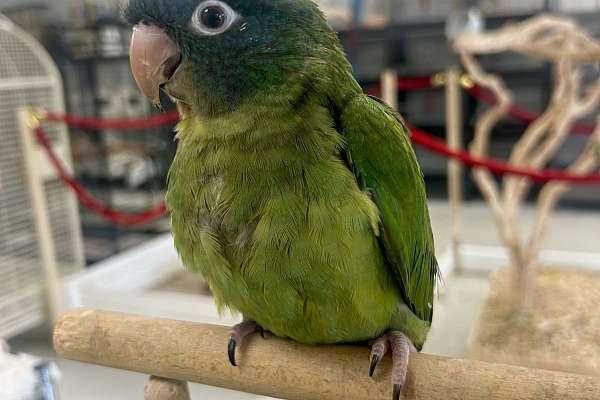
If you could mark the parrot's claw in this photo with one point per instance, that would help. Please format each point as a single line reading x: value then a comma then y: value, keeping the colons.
x: 374, y: 362
x: 231, y: 351
x: 397, y: 391
x: 401, y: 346
x: 237, y: 335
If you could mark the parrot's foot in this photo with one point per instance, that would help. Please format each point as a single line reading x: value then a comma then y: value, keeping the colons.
x: 401, y: 347
x: 237, y: 335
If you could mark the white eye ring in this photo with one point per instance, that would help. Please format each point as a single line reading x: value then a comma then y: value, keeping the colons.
x: 213, y: 17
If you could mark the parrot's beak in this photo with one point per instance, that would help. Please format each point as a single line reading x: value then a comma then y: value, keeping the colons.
x: 154, y: 59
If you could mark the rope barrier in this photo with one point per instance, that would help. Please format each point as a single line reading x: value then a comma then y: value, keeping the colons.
x: 419, y: 137
x: 117, y: 124
x: 497, y: 167
x: 404, y: 84
x: 439, y: 80
x: 409, y: 84
x: 520, y: 114
x: 88, y: 200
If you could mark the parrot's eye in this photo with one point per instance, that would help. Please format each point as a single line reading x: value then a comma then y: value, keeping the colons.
x: 213, y: 17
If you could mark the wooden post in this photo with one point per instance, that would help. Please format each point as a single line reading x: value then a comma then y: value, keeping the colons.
x: 27, y: 123
x: 454, y: 134
x: 389, y: 90
x: 192, y: 352
x: 159, y: 388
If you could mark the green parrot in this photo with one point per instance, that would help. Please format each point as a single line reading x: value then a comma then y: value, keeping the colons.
x: 298, y: 197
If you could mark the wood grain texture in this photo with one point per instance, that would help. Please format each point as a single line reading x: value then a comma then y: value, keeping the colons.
x: 197, y: 353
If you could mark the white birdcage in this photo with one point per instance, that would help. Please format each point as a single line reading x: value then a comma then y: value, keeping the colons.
x: 40, y: 233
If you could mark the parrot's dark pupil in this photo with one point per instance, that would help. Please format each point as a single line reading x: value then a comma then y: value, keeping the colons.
x: 213, y: 17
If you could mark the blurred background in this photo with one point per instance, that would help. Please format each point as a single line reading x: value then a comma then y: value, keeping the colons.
x: 134, y: 268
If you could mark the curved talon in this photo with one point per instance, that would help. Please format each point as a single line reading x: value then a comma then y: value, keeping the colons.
x: 374, y: 362
x: 397, y: 391
x: 231, y: 351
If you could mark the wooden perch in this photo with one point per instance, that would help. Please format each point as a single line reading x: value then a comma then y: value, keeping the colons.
x: 192, y: 352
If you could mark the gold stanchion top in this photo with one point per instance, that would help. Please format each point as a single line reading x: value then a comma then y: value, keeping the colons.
x: 35, y: 116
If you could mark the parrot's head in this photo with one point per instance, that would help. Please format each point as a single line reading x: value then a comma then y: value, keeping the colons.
x: 212, y: 55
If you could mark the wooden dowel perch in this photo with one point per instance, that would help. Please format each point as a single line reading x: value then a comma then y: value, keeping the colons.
x: 192, y: 352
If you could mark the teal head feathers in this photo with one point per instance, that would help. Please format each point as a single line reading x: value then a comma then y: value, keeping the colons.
x: 212, y: 55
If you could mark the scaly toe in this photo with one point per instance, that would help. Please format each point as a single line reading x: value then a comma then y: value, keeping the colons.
x: 378, y: 351
x: 401, y: 346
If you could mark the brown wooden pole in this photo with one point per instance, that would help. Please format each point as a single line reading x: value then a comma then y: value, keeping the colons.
x: 192, y: 352
x: 28, y: 122
x: 454, y: 137
x: 389, y: 88
x: 159, y: 388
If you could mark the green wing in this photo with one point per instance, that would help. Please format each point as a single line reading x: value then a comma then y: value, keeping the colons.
x: 379, y: 151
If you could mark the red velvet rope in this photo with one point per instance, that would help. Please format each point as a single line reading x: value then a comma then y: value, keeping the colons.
x: 520, y: 114
x: 419, y: 137
x: 406, y: 84
x: 500, y: 168
x: 88, y: 200
x: 117, y: 124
